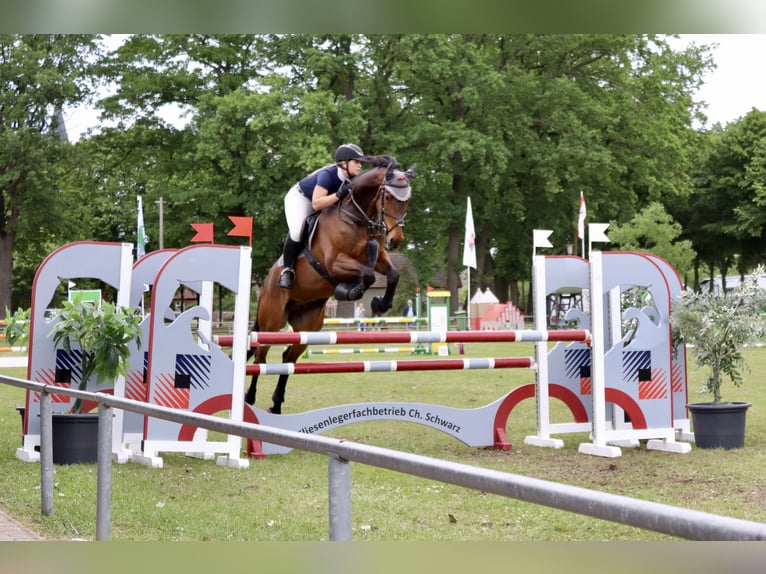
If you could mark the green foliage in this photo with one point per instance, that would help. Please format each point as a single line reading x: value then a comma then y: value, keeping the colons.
x: 653, y: 230
x: 39, y: 75
x: 717, y: 326
x: 17, y: 327
x: 520, y: 123
x: 102, y: 335
x: 724, y: 217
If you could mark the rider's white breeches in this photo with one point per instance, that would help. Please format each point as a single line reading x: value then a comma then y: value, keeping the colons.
x: 297, y: 209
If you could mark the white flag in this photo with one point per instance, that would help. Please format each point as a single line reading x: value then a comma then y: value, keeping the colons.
x: 141, y: 238
x: 469, y: 246
x: 581, y: 218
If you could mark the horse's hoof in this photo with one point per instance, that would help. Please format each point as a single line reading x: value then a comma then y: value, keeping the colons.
x: 357, y: 292
x: 275, y: 411
x: 377, y: 306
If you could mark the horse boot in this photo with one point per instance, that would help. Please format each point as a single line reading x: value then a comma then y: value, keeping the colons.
x: 290, y: 253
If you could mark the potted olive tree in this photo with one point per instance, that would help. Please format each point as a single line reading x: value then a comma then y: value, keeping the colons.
x: 99, y: 340
x: 716, y: 326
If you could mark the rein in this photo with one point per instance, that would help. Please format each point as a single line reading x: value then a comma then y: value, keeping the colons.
x: 376, y: 226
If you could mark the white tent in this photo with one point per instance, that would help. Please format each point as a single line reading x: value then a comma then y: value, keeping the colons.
x: 486, y: 296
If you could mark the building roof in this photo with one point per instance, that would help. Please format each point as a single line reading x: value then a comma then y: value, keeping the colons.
x: 402, y: 263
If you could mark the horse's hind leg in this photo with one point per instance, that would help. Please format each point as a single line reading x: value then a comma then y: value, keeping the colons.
x: 308, y: 318
x: 291, y: 355
x: 260, y: 357
x: 250, y: 393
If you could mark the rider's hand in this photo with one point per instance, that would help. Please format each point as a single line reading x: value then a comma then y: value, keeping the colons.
x: 344, y: 190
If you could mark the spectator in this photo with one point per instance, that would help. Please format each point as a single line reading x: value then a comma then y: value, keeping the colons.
x: 360, y: 314
x: 409, y: 311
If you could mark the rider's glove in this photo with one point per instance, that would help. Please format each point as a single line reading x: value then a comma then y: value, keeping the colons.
x: 344, y: 190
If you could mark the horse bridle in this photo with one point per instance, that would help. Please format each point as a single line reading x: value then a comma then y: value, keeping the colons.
x: 378, y: 226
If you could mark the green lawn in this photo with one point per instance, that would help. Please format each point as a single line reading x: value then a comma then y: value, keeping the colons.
x: 284, y: 497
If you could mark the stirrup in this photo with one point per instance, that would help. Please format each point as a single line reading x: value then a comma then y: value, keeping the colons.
x: 286, y: 278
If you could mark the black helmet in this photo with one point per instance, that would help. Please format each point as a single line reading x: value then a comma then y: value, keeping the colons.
x: 347, y: 152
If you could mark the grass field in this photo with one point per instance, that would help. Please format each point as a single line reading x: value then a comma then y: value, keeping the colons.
x: 284, y: 497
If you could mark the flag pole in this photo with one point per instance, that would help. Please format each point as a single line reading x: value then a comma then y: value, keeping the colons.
x: 468, y: 302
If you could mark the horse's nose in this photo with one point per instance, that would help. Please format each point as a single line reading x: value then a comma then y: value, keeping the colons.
x: 394, y: 239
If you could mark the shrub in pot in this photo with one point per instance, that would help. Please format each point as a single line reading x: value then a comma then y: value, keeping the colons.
x: 101, y: 338
x: 716, y: 326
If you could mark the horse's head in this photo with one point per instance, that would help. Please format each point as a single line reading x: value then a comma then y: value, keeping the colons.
x: 393, y: 201
x: 383, y: 194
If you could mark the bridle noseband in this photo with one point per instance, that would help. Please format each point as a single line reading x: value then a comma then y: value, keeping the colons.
x: 398, y: 186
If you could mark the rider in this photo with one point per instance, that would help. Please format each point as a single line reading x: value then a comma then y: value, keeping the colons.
x: 318, y: 190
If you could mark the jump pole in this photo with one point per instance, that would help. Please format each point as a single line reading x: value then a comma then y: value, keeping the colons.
x: 357, y: 350
x: 389, y: 366
x: 480, y: 427
x: 349, y: 338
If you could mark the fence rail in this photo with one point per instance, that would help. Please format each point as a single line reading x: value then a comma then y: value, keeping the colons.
x: 671, y: 520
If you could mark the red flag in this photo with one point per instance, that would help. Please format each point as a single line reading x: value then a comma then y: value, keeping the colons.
x: 243, y: 227
x: 204, y: 232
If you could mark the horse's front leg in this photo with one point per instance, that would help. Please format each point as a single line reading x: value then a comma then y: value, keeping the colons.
x: 344, y: 265
x: 382, y: 304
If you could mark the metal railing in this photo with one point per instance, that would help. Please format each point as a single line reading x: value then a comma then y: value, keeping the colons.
x: 671, y: 520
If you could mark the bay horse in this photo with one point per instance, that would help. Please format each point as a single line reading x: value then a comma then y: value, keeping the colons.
x: 342, y: 252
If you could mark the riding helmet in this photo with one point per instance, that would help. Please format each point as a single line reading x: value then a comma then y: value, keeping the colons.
x: 348, y: 152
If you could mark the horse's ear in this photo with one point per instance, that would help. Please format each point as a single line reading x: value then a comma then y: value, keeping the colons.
x: 410, y: 173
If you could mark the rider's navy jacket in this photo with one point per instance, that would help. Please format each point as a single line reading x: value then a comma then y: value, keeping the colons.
x: 327, y: 177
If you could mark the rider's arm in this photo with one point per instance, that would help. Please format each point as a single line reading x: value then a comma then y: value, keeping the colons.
x: 322, y: 198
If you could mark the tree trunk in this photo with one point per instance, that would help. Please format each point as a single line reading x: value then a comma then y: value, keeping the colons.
x: 453, y: 262
x: 6, y: 272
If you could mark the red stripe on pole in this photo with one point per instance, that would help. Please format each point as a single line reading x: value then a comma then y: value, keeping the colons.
x: 351, y: 337
x: 401, y: 366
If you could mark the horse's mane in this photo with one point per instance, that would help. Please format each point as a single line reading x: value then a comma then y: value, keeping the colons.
x: 381, y: 161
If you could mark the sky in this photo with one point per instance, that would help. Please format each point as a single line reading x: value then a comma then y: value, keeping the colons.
x: 737, y: 84
x: 731, y: 90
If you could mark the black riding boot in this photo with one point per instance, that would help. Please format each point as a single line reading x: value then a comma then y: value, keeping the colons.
x: 290, y: 253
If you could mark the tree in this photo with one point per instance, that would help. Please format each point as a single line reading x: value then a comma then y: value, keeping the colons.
x: 524, y: 123
x: 738, y: 168
x: 251, y: 133
x: 521, y: 123
x: 39, y: 74
x: 653, y: 230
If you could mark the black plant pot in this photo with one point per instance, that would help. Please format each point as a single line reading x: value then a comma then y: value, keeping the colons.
x: 75, y: 438
x: 22, y: 411
x: 719, y: 425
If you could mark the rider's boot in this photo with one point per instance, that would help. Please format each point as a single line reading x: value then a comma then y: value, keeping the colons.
x: 290, y: 253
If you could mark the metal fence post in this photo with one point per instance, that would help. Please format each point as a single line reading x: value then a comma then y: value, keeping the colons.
x: 339, y: 494
x: 46, y: 454
x: 104, y: 473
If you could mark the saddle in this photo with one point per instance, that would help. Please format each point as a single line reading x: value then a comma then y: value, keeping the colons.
x: 309, y: 228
